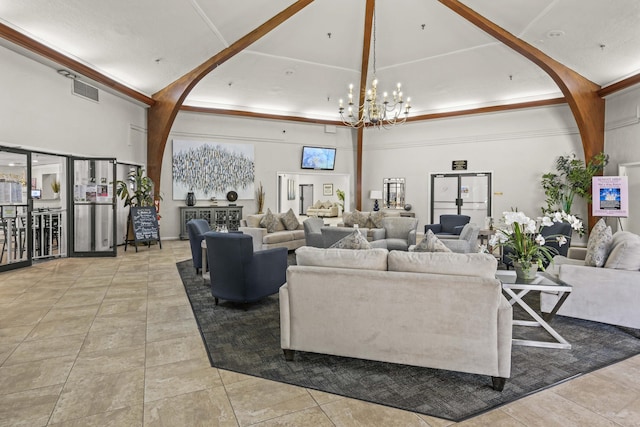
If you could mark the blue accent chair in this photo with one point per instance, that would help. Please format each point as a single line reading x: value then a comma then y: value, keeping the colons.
x: 238, y: 273
x: 196, y: 229
x: 449, y: 226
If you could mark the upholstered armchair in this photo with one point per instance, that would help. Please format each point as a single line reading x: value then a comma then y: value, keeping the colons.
x: 399, y: 232
x: 466, y: 242
x: 312, y: 233
x: 450, y: 226
x: 238, y: 273
x: 196, y: 229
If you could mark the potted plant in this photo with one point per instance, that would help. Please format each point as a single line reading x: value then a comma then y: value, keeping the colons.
x: 521, y: 236
x: 340, y: 195
x: 573, y: 178
x: 137, y: 190
x: 55, y: 186
x: 260, y: 197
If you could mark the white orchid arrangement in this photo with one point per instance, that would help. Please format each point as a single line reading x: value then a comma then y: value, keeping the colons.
x: 522, y: 235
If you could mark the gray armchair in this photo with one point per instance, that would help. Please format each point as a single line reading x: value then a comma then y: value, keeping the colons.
x: 238, y: 273
x: 466, y: 242
x: 400, y: 232
x: 312, y: 233
x: 450, y: 226
x: 196, y: 229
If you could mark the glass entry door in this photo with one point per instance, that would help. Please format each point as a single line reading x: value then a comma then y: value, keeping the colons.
x: 16, y: 232
x: 461, y: 194
x: 93, y: 207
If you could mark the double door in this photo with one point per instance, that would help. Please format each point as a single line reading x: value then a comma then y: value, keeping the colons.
x: 461, y: 194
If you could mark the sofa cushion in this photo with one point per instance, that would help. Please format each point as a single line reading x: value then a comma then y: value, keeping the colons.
x: 253, y: 221
x: 472, y: 264
x: 270, y: 221
x: 278, y: 237
x: 625, y: 251
x: 289, y: 220
x: 598, y: 244
x: 431, y: 243
x: 376, y: 219
x: 354, y: 240
x: 373, y: 259
x: 317, y: 205
x: 359, y: 218
x: 327, y: 205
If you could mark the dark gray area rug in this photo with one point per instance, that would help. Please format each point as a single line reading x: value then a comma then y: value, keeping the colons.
x: 248, y: 341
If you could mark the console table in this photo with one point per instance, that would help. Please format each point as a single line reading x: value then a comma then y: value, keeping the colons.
x: 216, y: 216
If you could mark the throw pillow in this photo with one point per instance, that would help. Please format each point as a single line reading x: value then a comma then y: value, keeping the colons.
x: 353, y: 240
x: 376, y: 219
x: 625, y: 252
x: 269, y: 221
x: 327, y: 205
x: 317, y: 205
x: 431, y: 243
x: 290, y: 220
x: 598, y: 244
x: 359, y: 218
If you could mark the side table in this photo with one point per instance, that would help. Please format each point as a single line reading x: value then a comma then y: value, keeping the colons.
x: 543, y: 283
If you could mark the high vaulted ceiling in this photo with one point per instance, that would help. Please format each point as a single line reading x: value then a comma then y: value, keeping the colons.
x: 304, y: 66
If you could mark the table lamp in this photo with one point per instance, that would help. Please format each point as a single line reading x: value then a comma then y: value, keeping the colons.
x: 375, y: 195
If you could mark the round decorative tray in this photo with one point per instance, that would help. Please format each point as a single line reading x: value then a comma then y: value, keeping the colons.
x: 232, y: 196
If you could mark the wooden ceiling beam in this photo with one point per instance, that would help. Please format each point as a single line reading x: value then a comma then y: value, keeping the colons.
x: 168, y: 101
x: 582, y: 94
x: 621, y: 85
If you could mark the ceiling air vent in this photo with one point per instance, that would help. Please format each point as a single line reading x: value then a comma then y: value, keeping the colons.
x: 86, y: 91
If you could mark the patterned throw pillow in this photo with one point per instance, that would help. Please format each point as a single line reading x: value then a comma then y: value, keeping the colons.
x: 269, y: 221
x: 353, y: 240
x: 359, y: 218
x: 290, y: 220
x: 347, y: 219
x: 431, y: 243
x: 598, y: 244
x: 376, y: 219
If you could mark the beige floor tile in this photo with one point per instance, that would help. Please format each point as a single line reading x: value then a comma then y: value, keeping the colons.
x: 46, y: 348
x: 204, y: 408
x: 160, y: 291
x: 114, y: 338
x: 67, y: 313
x: 230, y: 377
x: 496, y: 418
x: 600, y: 395
x: 6, y: 350
x: 124, y: 417
x: 256, y: 399
x: 113, y: 322
x: 82, y: 296
x: 31, y: 407
x: 550, y: 409
x: 105, y: 362
x: 622, y: 374
x: 162, y: 313
x: 321, y: 397
x: 60, y: 328
x: 123, y: 306
x: 21, y: 315
x: 172, y: 329
x: 312, y: 417
x: 14, y: 334
x: 436, y: 422
x: 88, y: 396
x: 629, y: 416
x: 175, y: 350
x: 178, y: 378
x: 36, y: 374
x: 351, y: 412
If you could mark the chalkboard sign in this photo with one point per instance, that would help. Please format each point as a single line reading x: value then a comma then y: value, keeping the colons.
x: 144, y: 224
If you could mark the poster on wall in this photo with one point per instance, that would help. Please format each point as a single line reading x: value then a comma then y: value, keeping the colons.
x: 212, y: 169
x: 610, y: 196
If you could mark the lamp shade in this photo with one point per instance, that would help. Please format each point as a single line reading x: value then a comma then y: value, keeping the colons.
x: 375, y: 194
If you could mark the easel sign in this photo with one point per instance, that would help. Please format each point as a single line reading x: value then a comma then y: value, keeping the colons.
x: 144, y: 224
x: 610, y: 196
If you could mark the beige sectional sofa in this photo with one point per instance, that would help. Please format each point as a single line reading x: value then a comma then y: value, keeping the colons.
x: 608, y: 294
x: 437, y: 310
x: 280, y: 238
x: 323, y: 209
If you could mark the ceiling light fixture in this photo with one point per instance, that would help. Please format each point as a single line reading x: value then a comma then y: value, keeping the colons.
x: 374, y: 112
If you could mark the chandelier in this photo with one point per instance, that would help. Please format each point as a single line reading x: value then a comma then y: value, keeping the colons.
x: 382, y: 113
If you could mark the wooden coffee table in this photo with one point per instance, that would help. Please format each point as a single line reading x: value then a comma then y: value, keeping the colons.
x: 544, y: 283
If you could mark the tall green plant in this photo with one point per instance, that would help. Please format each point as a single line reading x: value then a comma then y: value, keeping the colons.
x: 573, y: 178
x: 137, y: 190
x: 340, y: 195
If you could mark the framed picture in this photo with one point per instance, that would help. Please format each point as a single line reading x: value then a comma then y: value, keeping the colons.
x: 291, y: 189
x: 327, y: 189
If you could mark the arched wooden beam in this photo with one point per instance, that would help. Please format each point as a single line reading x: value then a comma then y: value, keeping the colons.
x: 582, y: 94
x: 364, y: 69
x: 163, y: 112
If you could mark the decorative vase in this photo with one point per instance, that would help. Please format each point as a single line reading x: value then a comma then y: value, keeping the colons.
x: 191, y: 199
x: 525, y: 270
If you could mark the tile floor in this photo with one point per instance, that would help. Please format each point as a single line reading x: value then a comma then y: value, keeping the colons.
x: 113, y: 342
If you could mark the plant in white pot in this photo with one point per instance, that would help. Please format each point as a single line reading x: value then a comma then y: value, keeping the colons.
x: 55, y: 186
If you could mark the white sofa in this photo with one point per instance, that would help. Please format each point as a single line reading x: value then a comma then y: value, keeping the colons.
x: 437, y: 310
x: 609, y: 294
x: 323, y: 209
x: 281, y: 238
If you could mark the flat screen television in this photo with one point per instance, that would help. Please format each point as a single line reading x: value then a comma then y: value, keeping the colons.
x: 36, y: 194
x: 321, y: 158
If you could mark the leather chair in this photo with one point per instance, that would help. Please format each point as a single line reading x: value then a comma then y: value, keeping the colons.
x: 467, y: 241
x: 450, y: 226
x: 312, y: 233
x: 196, y: 229
x: 557, y: 229
x: 238, y: 273
x: 399, y: 232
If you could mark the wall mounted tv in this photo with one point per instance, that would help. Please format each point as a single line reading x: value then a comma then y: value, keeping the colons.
x: 320, y: 158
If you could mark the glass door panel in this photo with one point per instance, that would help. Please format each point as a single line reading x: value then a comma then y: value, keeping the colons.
x: 475, y: 193
x: 443, y: 196
x: 93, y: 207
x: 461, y: 194
x: 15, y: 209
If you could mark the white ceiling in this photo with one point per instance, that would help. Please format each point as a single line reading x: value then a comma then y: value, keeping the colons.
x: 297, y: 69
